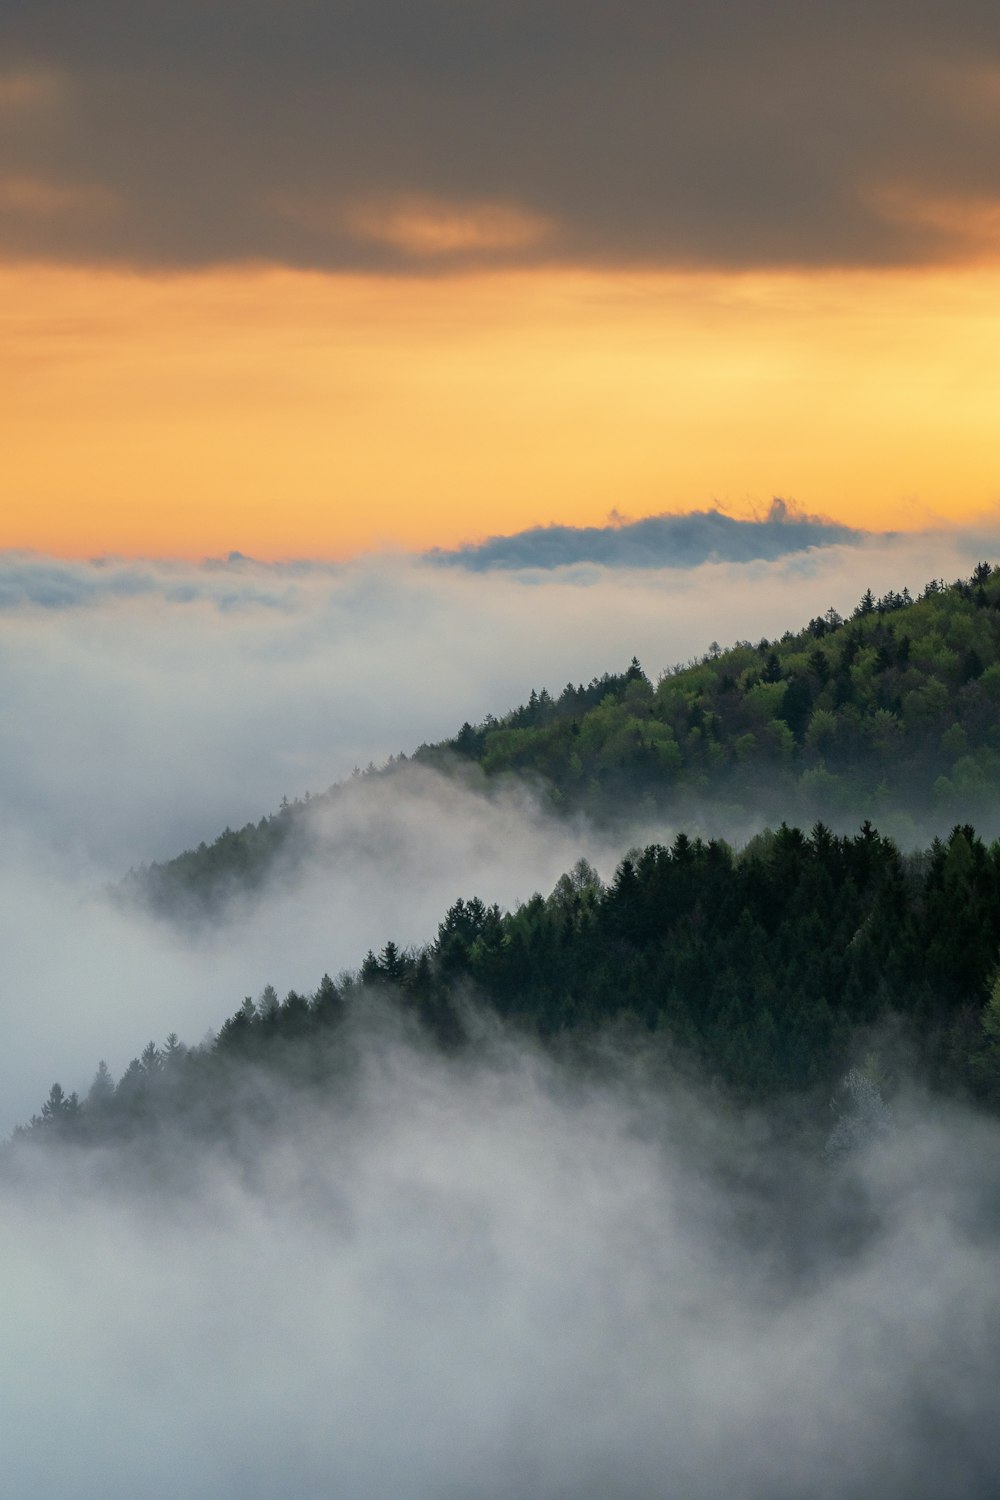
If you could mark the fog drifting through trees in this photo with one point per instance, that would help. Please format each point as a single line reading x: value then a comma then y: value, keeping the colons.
x: 493, y: 1277
x: 498, y: 1278
x: 148, y: 704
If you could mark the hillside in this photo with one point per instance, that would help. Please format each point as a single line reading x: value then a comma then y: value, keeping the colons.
x: 768, y: 971
x: 891, y: 714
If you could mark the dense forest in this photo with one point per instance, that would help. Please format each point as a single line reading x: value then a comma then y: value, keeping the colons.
x: 769, y: 969
x: 892, y: 708
x: 891, y: 714
x: 769, y: 972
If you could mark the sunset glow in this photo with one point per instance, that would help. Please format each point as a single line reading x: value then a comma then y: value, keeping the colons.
x: 287, y: 414
x: 315, y: 279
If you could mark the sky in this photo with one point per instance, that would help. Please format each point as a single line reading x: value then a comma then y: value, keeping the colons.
x: 364, y: 366
x: 303, y: 280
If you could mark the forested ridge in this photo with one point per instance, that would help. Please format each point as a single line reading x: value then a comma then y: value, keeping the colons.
x: 894, y: 707
x: 770, y: 971
x: 891, y: 714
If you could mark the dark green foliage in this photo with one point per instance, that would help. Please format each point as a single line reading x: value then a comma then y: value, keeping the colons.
x: 60, y: 1113
x: 329, y: 1003
x: 239, y: 860
x: 894, y: 712
x: 768, y: 968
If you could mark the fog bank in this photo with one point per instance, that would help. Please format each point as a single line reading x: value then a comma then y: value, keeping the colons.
x: 86, y: 976
x: 496, y: 1279
x: 147, y: 705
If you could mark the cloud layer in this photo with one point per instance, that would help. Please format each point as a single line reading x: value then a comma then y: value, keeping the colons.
x: 666, y: 541
x: 501, y: 1277
x: 419, y: 135
x: 148, y: 705
x: 499, y: 1280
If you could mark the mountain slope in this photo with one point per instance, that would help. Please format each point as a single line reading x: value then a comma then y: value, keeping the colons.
x: 892, y: 714
x: 890, y: 711
x: 769, y: 970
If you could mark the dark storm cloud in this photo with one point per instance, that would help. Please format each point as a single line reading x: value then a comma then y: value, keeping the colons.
x: 667, y: 541
x: 425, y: 134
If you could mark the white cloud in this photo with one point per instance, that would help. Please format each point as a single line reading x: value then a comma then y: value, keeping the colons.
x: 491, y: 1280
x: 147, y: 705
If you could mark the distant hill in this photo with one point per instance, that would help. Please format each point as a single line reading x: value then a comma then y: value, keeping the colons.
x: 891, y: 714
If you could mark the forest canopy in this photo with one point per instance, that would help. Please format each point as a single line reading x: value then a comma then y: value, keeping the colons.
x: 891, y: 714
x: 770, y: 971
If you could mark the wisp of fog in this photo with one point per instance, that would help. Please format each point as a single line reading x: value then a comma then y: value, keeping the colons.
x: 504, y: 1277
x: 451, y: 1278
x: 148, y: 705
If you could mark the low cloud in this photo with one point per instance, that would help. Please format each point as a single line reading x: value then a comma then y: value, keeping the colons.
x: 499, y: 1279
x: 665, y: 541
x: 86, y: 976
x: 28, y: 578
x: 497, y: 1276
x: 147, y: 706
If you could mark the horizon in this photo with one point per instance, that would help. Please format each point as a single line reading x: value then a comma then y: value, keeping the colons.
x: 311, y: 281
x: 283, y: 416
x: 372, y: 372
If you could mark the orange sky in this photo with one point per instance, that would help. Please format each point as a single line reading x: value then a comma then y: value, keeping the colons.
x: 292, y: 414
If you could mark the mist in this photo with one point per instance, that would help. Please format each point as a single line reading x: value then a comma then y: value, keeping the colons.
x: 505, y: 1277
x: 501, y: 1274
x: 149, y: 705
x: 87, y: 976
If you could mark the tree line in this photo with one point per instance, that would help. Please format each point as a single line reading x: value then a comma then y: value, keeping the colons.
x: 770, y: 970
x: 892, y: 713
x: 891, y: 710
